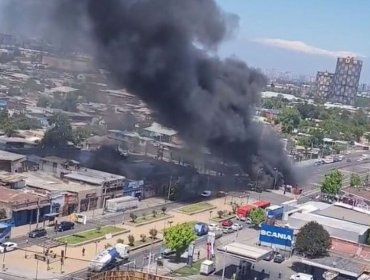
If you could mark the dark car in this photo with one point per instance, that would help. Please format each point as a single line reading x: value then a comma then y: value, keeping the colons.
x: 38, y: 232
x: 227, y: 223
x: 269, y: 257
x: 279, y: 258
x: 65, y: 225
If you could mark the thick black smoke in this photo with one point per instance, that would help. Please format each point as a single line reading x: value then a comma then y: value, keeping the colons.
x: 163, y: 51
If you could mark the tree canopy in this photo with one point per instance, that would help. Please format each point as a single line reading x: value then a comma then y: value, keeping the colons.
x: 355, y: 180
x: 59, y: 134
x: 290, y: 119
x: 313, y: 240
x: 179, y: 237
x: 332, y: 183
x: 257, y: 216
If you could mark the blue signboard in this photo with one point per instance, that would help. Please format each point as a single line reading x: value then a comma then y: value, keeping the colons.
x: 276, y: 235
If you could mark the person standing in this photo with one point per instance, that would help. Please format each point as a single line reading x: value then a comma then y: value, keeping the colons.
x: 83, y: 251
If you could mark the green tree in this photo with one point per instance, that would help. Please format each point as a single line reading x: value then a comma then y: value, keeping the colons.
x: 366, y: 180
x: 131, y: 240
x: 290, y: 119
x: 332, y: 183
x: 44, y: 101
x: 154, y: 213
x: 257, y: 216
x: 220, y: 213
x: 355, y: 180
x: 179, y: 237
x: 153, y: 233
x: 133, y: 217
x: 143, y: 237
x: 313, y: 240
x: 59, y: 134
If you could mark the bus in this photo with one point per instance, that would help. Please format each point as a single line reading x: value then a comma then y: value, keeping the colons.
x: 5, y: 231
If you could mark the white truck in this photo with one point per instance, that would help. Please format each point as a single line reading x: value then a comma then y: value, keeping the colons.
x: 109, y: 258
x: 121, y: 203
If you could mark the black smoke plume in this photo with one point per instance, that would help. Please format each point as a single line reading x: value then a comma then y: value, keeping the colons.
x: 164, y: 52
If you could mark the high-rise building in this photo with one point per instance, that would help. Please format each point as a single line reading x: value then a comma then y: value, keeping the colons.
x: 346, y: 80
x: 324, y: 81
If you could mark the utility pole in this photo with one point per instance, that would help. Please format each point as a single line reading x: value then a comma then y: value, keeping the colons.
x: 38, y: 213
x: 169, y: 189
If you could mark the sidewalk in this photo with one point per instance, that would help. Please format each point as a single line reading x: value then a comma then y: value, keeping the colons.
x: 91, y: 215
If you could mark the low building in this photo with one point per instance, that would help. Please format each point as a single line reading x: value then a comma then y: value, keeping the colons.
x: 12, y: 181
x: 66, y: 197
x: 108, y: 185
x: 14, y: 143
x: 23, y: 208
x: 57, y: 165
x: 337, y: 228
x: 160, y: 133
x: 12, y: 162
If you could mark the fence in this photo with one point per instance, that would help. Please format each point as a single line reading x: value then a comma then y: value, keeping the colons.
x: 127, y: 275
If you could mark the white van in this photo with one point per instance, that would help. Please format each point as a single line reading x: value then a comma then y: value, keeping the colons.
x: 301, y: 276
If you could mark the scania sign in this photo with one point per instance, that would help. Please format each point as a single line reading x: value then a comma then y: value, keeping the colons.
x: 276, y: 235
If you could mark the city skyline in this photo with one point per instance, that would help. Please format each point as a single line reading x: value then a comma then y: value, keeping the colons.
x: 299, y: 37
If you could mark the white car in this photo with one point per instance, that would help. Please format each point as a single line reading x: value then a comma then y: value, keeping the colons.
x: 301, y: 276
x: 236, y: 226
x: 206, y: 193
x: 248, y: 220
x: 213, y: 227
x: 8, y: 246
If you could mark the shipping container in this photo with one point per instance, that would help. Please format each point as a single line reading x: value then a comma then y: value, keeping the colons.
x: 243, y: 212
x: 262, y: 204
x: 121, y: 203
x: 276, y: 211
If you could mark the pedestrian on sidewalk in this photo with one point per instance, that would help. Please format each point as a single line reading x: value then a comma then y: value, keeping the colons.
x: 83, y: 251
x: 198, y: 255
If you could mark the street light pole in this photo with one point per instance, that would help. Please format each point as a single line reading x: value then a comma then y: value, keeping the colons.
x: 224, y: 265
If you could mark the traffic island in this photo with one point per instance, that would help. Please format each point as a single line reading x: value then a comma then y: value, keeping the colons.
x: 141, y: 244
x: 144, y: 220
x: 224, y: 217
x: 196, y: 208
x: 92, y: 235
x: 187, y: 270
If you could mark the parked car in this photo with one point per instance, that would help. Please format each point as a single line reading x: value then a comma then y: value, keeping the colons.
x: 248, y: 220
x: 236, y: 226
x: 65, y: 225
x: 269, y: 257
x: 227, y: 223
x: 8, y: 246
x: 212, y: 227
x: 227, y: 230
x: 221, y: 194
x: 206, y: 193
x: 279, y: 258
x: 168, y: 252
x: 37, y: 232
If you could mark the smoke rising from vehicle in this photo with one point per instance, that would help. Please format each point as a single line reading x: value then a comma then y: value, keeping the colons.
x: 164, y: 51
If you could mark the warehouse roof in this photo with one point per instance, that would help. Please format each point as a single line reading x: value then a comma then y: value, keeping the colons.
x: 42, y: 180
x: 159, y: 129
x: 334, y: 263
x: 92, y: 176
x: 243, y: 251
x: 10, y: 156
x: 327, y: 221
x: 345, y: 215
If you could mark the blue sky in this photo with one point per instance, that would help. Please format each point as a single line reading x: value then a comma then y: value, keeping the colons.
x: 301, y: 36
